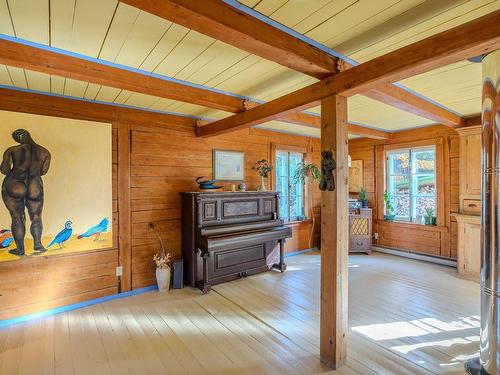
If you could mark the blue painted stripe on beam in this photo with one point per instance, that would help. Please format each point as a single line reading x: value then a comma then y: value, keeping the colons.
x: 102, y: 102
x: 286, y: 29
x: 75, y: 306
x: 320, y: 46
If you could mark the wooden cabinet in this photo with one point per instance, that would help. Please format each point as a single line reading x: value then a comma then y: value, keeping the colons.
x: 469, y: 246
x: 360, y: 231
x: 470, y: 163
x: 469, y: 219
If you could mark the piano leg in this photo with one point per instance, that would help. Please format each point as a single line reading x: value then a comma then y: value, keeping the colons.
x: 204, y: 285
x: 281, y: 266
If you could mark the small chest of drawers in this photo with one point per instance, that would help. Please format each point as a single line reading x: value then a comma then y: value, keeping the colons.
x: 360, y: 231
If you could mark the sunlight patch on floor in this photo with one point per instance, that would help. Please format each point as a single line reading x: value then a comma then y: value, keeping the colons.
x: 414, y: 328
x: 405, y: 349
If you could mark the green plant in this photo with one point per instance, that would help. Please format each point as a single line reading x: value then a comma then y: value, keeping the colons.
x: 309, y: 172
x: 362, y: 195
x: 429, y: 212
x: 263, y: 168
x: 388, y: 205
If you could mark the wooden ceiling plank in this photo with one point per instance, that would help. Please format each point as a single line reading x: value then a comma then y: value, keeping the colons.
x: 471, y: 39
x: 226, y: 23
x: 79, y: 71
x: 46, y: 61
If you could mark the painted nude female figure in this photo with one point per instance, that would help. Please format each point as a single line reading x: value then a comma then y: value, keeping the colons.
x: 23, y: 166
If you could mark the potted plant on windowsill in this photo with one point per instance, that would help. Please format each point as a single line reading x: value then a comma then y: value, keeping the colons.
x: 429, y: 217
x: 308, y: 173
x: 389, y: 208
x: 363, y: 197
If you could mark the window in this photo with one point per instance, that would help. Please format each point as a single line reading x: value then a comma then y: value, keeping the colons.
x: 291, y: 195
x: 411, y: 182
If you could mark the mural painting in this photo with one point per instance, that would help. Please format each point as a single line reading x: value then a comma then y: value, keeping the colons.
x: 56, y: 185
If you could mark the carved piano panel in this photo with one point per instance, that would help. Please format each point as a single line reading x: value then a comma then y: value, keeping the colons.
x: 229, y: 235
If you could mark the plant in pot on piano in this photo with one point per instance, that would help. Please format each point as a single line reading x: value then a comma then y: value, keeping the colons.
x: 308, y: 173
x: 389, y: 208
x: 163, y: 262
x: 263, y: 169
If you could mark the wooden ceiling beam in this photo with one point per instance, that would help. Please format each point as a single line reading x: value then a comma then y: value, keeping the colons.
x: 471, y: 39
x: 30, y: 57
x: 400, y: 98
x: 230, y: 25
x: 90, y: 70
x: 51, y: 105
x: 312, y: 121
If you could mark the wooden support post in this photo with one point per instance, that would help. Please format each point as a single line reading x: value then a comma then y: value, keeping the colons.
x: 124, y: 209
x: 334, y: 236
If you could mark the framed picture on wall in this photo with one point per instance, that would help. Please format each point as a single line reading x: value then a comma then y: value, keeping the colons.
x: 355, y: 176
x: 228, y: 165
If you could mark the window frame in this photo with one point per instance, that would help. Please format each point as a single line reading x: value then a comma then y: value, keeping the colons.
x: 411, y: 179
x: 289, y: 152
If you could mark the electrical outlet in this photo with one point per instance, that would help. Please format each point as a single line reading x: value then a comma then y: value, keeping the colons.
x: 119, y: 271
x: 375, y: 235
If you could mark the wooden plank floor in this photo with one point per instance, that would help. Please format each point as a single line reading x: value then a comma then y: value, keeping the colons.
x: 405, y: 317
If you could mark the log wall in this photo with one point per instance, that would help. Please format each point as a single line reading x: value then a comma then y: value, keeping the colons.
x: 155, y: 158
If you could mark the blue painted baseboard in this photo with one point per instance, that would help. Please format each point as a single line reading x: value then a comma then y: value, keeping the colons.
x: 295, y: 253
x: 57, y: 310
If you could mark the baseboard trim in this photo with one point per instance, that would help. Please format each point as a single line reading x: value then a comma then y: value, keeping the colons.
x: 75, y: 306
x: 408, y: 254
x: 300, y: 252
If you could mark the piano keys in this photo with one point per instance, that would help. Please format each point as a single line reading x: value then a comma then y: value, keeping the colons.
x: 230, y: 235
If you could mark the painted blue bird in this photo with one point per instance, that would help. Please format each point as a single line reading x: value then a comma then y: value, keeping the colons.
x: 5, y: 238
x: 96, y: 230
x: 63, y: 235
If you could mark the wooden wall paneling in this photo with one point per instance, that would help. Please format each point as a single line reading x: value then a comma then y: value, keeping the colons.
x: 124, y: 212
x: 149, y: 171
x: 441, y: 170
x: 447, y: 146
x: 445, y: 213
x: 335, y: 236
x: 40, y: 283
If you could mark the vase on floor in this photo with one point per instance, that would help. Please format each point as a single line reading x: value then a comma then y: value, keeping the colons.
x: 163, y: 279
x: 262, y: 186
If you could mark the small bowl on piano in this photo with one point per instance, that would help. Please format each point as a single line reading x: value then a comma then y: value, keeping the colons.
x: 204, y: 184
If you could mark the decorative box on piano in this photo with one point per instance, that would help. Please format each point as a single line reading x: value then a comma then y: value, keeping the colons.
x: 228, y: 235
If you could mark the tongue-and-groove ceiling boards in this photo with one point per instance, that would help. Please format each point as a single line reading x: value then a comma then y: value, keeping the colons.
x: 360, y: 29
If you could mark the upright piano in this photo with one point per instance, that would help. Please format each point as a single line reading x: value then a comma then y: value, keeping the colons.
x: 228, y: 235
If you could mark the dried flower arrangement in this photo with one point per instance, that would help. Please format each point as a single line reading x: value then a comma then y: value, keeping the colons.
x: 162, y: 258
x: 263, y: 168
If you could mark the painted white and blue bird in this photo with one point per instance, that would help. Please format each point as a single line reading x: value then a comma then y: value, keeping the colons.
x: 63, y: 235
x: 96, y: 230
x: 5, y: 238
